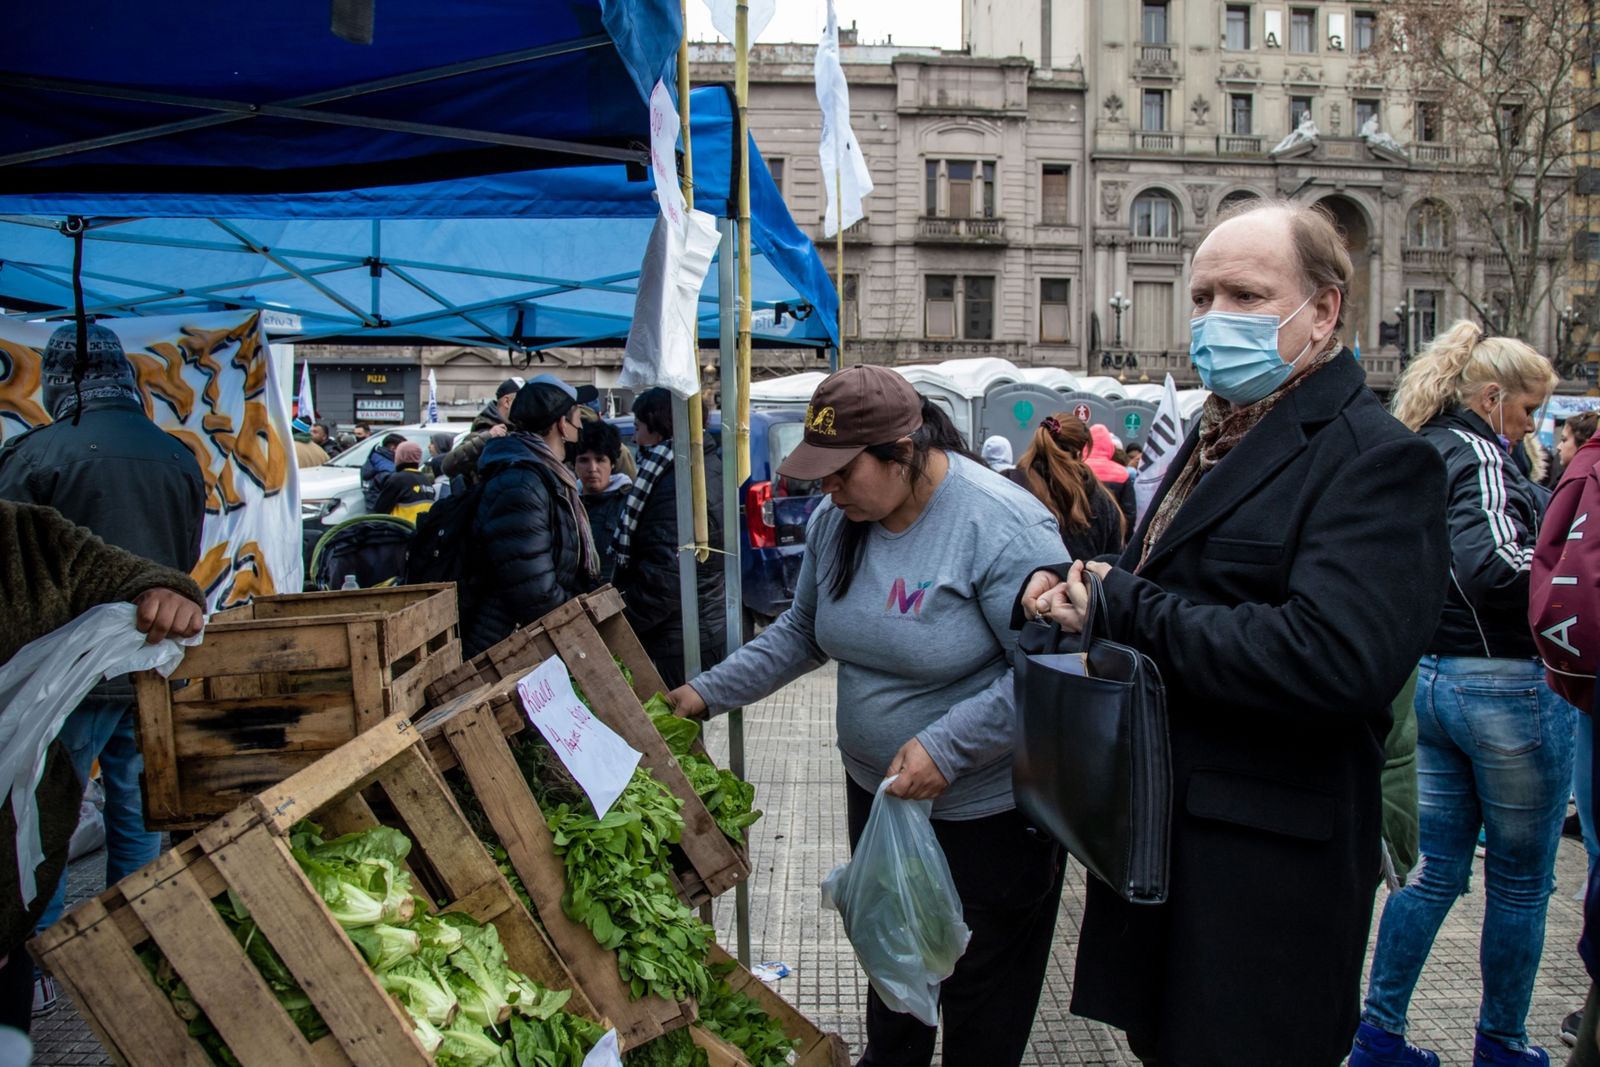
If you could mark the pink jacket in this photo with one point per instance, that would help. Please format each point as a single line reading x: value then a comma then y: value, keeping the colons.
x: 1101, y: 446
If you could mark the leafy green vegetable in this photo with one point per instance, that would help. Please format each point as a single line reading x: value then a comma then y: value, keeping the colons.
x: 466, y: 1045
x: 422, y: 991
x: 676, y: 1049
x: 727, y: 797
x: 384, y: 945
x: 740, y: 1020
x: 563, y: 1040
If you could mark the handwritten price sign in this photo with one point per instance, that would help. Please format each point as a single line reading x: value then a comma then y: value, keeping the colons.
x: 601, y: 761
x: 664, y: 127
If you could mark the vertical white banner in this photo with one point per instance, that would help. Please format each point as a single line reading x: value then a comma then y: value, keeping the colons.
x: 1162, y: 443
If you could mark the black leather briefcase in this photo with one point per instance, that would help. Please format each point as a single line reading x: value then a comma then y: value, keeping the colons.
x: 1093, y: 767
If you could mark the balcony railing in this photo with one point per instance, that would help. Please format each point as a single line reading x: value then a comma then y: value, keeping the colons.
x: 1155, y: 248
x: 1427, y: 259
x: 961, y: 231
x: 1427, y: 152
x: 1157, y: 59
x: 855, y: 233
x: 1149, y: 141
x: 1238, y: 144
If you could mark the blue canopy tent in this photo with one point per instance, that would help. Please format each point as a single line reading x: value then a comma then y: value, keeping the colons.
x: 530, y: 260
x: 192, y: 96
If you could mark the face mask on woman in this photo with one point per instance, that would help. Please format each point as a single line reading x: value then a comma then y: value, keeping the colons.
x: 1237, y: 353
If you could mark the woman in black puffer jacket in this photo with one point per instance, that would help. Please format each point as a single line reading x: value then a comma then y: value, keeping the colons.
x: 531, y: 543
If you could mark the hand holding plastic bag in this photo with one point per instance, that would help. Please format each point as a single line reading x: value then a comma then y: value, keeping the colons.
x: 40, y: 686
x: 899, y: 906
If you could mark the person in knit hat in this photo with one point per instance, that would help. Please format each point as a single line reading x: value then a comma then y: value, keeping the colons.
x: 104, y: 465
x: 408, y: 492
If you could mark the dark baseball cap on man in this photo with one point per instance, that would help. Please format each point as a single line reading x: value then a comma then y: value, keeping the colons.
x: 507, y: 387
x: 852, y: 409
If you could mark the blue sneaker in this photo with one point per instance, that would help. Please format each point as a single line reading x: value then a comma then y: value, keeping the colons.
x: 1487, y: 1052
x: 1376, y: 1047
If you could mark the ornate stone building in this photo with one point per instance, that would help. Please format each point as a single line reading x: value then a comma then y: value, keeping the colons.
x: 974, y: 236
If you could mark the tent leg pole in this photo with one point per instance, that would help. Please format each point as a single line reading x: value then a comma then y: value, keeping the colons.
x: 688, y: 599
x: 732, y: 539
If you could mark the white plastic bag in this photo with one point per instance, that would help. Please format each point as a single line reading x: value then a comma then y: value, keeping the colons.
x: 91, y: 832
x: 40, y: 686
x: 899, y: 906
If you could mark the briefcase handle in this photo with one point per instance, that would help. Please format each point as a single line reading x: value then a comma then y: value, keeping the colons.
x: 1097, y: 613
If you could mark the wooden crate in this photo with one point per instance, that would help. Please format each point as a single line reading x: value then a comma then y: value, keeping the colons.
x: 93, y: 949
x: 280, y: 682
x: 586, y: 632
x: 817, y: 1048
x: 473, y: 739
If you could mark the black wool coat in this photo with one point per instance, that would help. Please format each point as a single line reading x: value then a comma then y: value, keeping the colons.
x: 527, y: 556
x: 1285, y: 606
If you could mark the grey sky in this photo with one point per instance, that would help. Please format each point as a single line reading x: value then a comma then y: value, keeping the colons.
x: 910, y: 22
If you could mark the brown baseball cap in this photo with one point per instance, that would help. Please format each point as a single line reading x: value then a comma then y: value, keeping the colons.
x: 852, y: 409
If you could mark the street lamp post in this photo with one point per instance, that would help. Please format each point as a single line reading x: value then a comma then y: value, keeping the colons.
x: 1119, y: 304
x: 1402, y: 312
x: 1568, y: 363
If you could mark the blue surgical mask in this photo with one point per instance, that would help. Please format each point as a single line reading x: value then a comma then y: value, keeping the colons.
x: 1237, y: 354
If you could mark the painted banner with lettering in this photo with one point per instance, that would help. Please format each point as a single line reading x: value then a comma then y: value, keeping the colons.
x: 207, y: 380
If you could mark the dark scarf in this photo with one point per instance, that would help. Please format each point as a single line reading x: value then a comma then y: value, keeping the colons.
x: 571, y: 496
x: 1222, y: 427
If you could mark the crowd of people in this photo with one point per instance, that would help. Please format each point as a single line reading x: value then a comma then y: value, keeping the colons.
x: 1372, y: 625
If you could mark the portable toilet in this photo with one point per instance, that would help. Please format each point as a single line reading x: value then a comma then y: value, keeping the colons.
x: 1146, y: 391
x: 1091, y: 408
x: 1133, y: 418
x: 1103, y: 386
x: 948, y: 396
x: 791, y: 392
x: 1190, y: 401
x: 1053, y: 377
x: 1013, y: 410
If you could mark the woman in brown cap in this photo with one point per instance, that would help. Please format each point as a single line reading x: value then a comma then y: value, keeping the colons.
x: 908, y: 579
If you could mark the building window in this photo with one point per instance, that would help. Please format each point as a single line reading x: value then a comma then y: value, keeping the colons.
x: 1155, y: 215
x: 1427, y: 123
x: 1152, y: 316
x: 1366, y: 32
x: 1511, y: 37
x: 1237, y: 197
x: 1429, y: 226
x: 1587, y: 246
x: 1236, y: 27
x: 1424, y: 316
x: 975, y: 315
x: 775, y: 168
x: 1054, y: 310
x: 1509, y: 122
x: 1153, y: 115
x: 1239, y: 108
x: 1153, y: 22
x: 1055, y: 196
x: 940, y: 305
x: 978, y: 313
x: 1299, y: 110
x: 1302, y: 30
x: 968, y: 188
x: 1365, y: 109
x: 852, y: 305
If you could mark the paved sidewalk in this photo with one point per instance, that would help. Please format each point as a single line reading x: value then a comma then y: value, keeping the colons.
x: 792, y: 760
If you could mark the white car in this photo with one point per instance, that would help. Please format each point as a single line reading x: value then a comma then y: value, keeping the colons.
x: 331, y: 493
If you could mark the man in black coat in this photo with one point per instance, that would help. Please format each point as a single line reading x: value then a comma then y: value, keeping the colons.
x: 376, y: 470
x: 1285, y: 581
x: 104, y: 465
x: 490, y: 423
x: 647, y: 547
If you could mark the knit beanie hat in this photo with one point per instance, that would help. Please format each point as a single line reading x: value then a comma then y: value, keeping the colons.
x: 107, y: 372
x: 408, y: 455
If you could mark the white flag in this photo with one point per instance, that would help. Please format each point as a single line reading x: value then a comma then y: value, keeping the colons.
x: 306, y: 410
x: 724, y: 14
x: 1162, y: 443
x: 844, y: 169
x: 433, y: 398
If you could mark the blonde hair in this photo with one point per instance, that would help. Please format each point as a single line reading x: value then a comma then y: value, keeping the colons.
x: 1458, y: 364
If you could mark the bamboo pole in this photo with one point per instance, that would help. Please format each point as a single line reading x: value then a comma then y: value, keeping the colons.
x: 697, y: 430
x: 741, y: 136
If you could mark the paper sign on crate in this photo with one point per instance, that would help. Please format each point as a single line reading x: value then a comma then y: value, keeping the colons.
x: 604, y: 1053
x: 602, y: 762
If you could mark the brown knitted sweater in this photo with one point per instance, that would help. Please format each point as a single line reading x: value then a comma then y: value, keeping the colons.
x: 52, y: 571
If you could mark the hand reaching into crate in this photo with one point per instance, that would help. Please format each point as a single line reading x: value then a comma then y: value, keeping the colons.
x: 687, y: 703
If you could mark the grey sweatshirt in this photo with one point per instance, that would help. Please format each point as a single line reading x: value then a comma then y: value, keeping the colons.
x: 923, y: 638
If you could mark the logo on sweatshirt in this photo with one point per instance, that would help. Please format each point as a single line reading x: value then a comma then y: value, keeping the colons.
x: 907, y: 598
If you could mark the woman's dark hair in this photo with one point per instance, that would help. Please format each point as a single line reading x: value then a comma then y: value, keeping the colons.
x: 538, y: 407
x: 936, y: 432
x: 1058, y: 476
x: 1582, y: 426
x: 653, y: 407
x: 600, y: 439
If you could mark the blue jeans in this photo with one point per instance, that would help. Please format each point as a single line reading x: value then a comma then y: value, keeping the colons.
x: 1494, y: 747
x: 101, y: 728
x: 1583, y: 788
